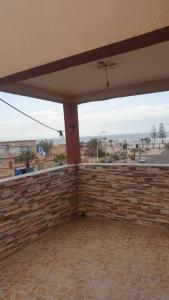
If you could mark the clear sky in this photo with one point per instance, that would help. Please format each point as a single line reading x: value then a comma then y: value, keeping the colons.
x: 123, y: 115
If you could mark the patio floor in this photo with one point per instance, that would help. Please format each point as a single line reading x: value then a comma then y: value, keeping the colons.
x: 90, y: 259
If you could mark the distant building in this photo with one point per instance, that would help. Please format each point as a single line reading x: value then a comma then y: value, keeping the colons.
x: 9, y: 150
x: 58, y: 149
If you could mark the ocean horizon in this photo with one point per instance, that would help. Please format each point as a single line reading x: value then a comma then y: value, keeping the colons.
x: 130, y: 137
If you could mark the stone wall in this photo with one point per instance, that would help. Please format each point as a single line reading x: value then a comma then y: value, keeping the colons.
x: 33, y: 203
x: 139, y: 193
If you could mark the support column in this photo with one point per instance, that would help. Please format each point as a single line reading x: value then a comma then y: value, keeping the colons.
x: 72, y: 133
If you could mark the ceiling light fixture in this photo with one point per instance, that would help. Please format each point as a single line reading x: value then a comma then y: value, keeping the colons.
x: 104, y: 65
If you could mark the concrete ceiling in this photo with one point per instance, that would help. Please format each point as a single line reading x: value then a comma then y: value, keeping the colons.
x: 141, y: 71
x: 49, y: 48
x: 34, y: 33
x: 150, y: 63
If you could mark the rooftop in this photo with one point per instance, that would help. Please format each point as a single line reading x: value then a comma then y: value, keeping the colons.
x: 109, y: 254
x: 16, y: 141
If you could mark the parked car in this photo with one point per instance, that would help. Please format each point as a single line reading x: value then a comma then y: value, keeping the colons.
x: 142, y: 160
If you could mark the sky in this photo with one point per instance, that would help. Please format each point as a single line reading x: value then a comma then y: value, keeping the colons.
x: 134, y: 114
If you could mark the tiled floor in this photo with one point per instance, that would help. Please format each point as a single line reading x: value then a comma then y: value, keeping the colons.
x: 88, y: 259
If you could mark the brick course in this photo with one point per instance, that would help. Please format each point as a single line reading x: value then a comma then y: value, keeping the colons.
x: 31, y: 204
x: 139, y: 193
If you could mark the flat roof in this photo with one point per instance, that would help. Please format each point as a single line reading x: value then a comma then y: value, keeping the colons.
x: 17, y: 141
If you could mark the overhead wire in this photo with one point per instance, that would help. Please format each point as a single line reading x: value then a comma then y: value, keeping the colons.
x: 35, y: 120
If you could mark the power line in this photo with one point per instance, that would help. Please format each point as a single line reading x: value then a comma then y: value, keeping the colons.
x: 26, y: 115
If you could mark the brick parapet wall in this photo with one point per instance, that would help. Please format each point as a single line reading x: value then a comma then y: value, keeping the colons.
x: 139, y: 193
x: 33, y: 203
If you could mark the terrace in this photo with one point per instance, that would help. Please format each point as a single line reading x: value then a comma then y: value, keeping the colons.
x: 78, y: 232
x: 85, y: 231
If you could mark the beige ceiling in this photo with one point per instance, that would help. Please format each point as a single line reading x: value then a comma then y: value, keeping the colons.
x: 140, y: 71
x: 145, y: 64
x: 35, y: 32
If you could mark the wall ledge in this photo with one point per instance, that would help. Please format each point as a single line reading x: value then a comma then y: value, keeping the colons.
x: 124, y: 164
x: 36, y: 173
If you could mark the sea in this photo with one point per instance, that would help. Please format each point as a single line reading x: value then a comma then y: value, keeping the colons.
x: 131, y: 138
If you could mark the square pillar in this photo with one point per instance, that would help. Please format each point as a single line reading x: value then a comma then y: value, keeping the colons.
x: 72, y: 133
